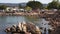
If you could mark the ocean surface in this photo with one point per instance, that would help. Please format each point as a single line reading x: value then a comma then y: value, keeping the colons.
x: 6, y: 21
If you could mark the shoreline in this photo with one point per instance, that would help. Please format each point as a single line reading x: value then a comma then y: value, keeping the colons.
x: 53, y: 18
x: 18, y: 14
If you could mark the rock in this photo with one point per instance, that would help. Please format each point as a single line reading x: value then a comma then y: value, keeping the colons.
x: 24, y: 28
x: 38, y: 30
x: 13, y: 29
x: 7, y: 29
x: 18, y: 29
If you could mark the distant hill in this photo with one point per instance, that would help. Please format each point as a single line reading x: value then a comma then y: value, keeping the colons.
x: 9, y: 4
x: 23, y: 4
x: 13, y: 4
x: 17, y: 4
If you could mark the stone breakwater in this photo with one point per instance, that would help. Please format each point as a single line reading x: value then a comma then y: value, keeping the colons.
x: 18, y: 14
x: 54, y: 20
x: 23, y: 28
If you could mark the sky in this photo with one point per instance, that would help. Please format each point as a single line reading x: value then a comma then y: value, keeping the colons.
x: 21, y: 1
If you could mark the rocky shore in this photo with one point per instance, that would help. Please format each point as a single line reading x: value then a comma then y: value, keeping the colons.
x: 54, y: 20
x: 18, y: 14
x: 23, y: 28
x: 52, y: 16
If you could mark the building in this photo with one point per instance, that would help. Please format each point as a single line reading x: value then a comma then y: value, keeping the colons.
x: 13, y: 6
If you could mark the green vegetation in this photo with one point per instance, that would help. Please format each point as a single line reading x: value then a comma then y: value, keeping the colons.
x: 59, y: 6
x: 3, y: 7
x: 38, y: 5
x: 34, y: 4
x: 28, y: 8
x: 53, y: 5
x: 32, y: 18
x: 20, y: 6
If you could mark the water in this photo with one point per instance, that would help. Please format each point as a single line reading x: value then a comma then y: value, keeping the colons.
x: 6, y: 21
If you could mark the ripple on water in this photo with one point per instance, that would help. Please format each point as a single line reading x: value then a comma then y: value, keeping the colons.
x: 6, y: 21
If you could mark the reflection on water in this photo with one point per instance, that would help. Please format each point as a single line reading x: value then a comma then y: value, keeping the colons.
x: 6, y: 21
x: 32, y: 18
x: 41, y: 22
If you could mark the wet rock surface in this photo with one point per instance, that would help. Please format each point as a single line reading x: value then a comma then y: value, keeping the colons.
x: 23, y: 28
x: 54, y: 20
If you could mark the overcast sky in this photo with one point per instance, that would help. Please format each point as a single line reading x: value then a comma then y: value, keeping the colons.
x: 21, y: 1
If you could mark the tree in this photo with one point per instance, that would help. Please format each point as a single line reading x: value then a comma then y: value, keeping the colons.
x: 59, y: 6
x: 34, y: 4
x: 53, y: 5
x: 3, y: 7
x: 22, y: 5
x: 28, y: 8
